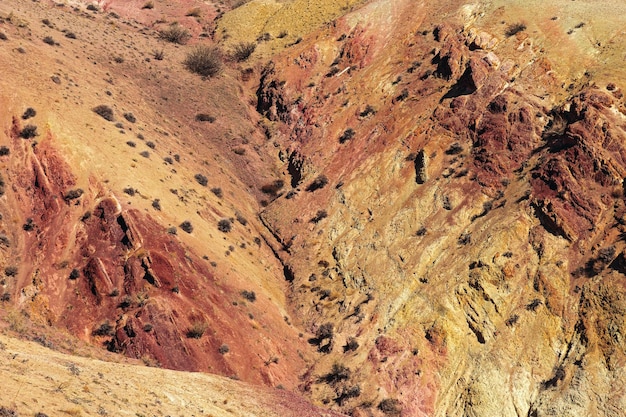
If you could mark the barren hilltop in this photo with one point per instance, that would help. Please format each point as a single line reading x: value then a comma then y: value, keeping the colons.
x: 366, y: 208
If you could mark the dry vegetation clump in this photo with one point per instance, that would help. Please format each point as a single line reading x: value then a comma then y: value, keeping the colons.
x: 105, y: 112
x: 175, y: 34
x: 204, y: 60
x: 243, y: 50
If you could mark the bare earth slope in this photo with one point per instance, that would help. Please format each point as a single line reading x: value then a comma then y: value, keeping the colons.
x: 396, y: 208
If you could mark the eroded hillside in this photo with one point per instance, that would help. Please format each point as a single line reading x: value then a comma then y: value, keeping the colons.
x: 390, y: 208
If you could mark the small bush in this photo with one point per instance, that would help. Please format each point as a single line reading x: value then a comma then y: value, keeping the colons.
x: 171, y: 230
x: 347, y: 135
x: 3, y: 36
x: 156, y: 204
x: 75, y: 274
x: 224, y: 226
x: 150, y: 145
x: 186, y: 226
x: 318, y: 183
x: 10, y: 271
x: 4, y: 151
x: 249, y: 295
x: 321, y: 214
x: 390, y: 407
x: 130, y: 191
x: 145, y: 154
x: 148, y: 5
x: 168, y: 160
x: 217, y: 191
x: 273, y: 188
x: 224, y: 349
x: 158, y: 55
x: 241, y: 219
x: 49, y: 40
x: 70, y: 35
x: 514, y: 29
x: 105, y: 329
x: 93, y: 8
x: 351, y: 344
x: 28, y: 113
x: 105, y: 112
x: 130, y: 117
x: 338, y: 373
x: 131, y: 143
x: 175, y: 34
x: 197, y: 329
x: 7, y: 412
x: 74, y: 194
x: 202, y: 180
x: 202, y: 117
x: 204, y: 60
x: 29, y: 132
x: 243, y: 50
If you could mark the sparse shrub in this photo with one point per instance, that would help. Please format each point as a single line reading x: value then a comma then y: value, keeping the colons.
x: 92, y: 7
x: 70, y: 35
x: 514, y: 29
x: 175, y: 34
x: 171, y: 230
x: 351, y: 344
x: 150, y: 145
x: 158, y: 55
x: 202, y: 180
x: 119, y: 125
x: 130, y: 191
x: 242, y: 220
x: 421, y: 231
x: 282, y: 34
x: 75, y: 274
x: 367, y: 111
x: 243, y: 50
x: 10, y: 271
x: 249, y: 295
x: 7, y: 412
x: 402, y: 96
x: 49, y: 40
x: 4, y: 151
x: 105, y: 329
x: 454, y: 149
x: 264, y: 37
x: 29, y: 132
x: 28, y: 113
x: 390, y: 407
x: 318, y: 183
x: 29, y: 225
x: 533, y: 305
x: 204, y: 60
x: 224, y: 225
x: 130, y: 117
x: 321, y: 214
x: 145, y: 154
x: 224, y: 349
x: 131, y: 143
x: 105, y: 112
x: 239, y: 150
x: 126, y: 302
x: 512, y: 320
x: 465, y: 238
x: 3, y: 37
x: 347, y: 135
x: 147, y: 327
x: 186, y: 226
x: 217, y: 191
x: 168, y: 160
x: 74, y: 194
x: 197, y: 329
x: 156, y: 204
x: 338, y: 373
x: 148, y: 5
x: 203, y: 117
